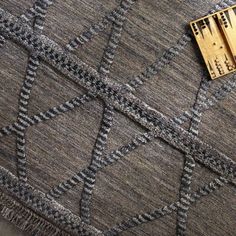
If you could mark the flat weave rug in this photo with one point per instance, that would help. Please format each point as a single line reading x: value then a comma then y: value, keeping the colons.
x: 110, y: 123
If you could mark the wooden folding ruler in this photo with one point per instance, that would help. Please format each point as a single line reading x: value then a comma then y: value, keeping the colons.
x: 216, y: 38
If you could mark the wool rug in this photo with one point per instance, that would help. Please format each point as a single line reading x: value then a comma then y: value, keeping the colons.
x: 110, y: 123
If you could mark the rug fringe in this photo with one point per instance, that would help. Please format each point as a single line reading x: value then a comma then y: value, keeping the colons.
x: 27, y: 220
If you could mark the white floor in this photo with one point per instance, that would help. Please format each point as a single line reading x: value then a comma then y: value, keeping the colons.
x: 8, y: 229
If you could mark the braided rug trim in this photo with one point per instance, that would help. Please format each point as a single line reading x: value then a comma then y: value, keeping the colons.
x: 26, y: 219
x: 116, y: 97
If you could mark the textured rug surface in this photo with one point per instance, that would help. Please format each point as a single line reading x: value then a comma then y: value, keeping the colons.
x: 109, y: 122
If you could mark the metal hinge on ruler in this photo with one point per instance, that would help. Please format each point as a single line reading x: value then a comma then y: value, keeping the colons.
x: 216, y: 38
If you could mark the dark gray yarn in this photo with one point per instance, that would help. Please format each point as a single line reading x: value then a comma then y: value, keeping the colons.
x: 116, y: 97
x: 37, y: 201
x: 128, y: 104
x: 189, y: 165
x: 108, y: 114
x: 33, y: 64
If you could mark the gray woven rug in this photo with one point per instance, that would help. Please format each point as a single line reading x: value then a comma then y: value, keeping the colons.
x: 110, y: 124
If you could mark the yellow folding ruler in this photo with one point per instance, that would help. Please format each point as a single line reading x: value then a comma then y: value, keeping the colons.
x: 216, y: 38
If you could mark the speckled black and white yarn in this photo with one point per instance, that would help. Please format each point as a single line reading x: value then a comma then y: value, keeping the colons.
x: 115, y: 97
x: 108, y: 114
